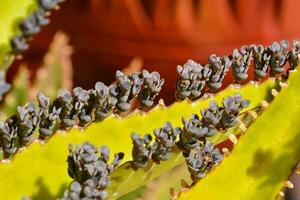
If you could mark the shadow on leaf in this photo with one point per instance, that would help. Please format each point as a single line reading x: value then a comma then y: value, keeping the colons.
x: 44, y: 192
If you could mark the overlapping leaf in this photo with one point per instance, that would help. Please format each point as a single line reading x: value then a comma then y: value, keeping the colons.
x: 265, y: 156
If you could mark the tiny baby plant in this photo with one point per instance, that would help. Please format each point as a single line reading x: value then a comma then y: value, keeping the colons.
x: 116, y: 141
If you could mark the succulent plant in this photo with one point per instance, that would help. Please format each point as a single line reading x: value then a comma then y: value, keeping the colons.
x: 185, y: 140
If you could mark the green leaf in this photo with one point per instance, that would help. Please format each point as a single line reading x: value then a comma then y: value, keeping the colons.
x: 45, y: 165
x: 264, y: 157
x: 159, y: 189
x: 136, y: 194
x: 11, y: 12
x: 125, y: 180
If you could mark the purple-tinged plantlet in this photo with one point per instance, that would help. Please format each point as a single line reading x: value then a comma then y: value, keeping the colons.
x: 28, y: 119
x: 40, y: 17
x: 49, y: 117
x: 90, y: 171
x: 30, y: 26
x: 48, y: 4
x: 241, y: 63
x: 151, y: 88
x: 261, y: 61
x: 293, y: 56
x: 141, y: 151
x: 165, y: 139
x: 194, y: 133
x: 212, y: 115
x: 19, y: 44
x: 74, y: 192
x: 232, y: 107
x: 195, y: 128
x: 137, y: 80
x: 83, y: 162
x: 279, y: 54
x: 192, y: 79
x: 201, y: 159
x: 219, y: 67
x: 68, y: 113
x: 87, y: 191
x: 121, y: 90
x: 104, y: 156
x: 104, y: 103
x: 8, y: 136
x: 83, y: 105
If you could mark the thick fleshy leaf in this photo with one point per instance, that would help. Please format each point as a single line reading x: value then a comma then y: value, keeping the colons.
x: 136, y: 194
x: 159, y: 188
x: 125, y: 180
x: 264, y: 157
x: 39, y: 171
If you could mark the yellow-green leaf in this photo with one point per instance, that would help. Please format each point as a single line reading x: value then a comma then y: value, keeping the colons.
x: 264, y: 157
x: 44, y: 166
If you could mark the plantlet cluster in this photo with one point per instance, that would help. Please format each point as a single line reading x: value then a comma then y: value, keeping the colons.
x: 256, y: 164
x: 79, y: 108
x: 143, y: 150
x: 191, y: 140
x: 84, y: 106
x: 145, y: 85
x: 32, y: 25
x: 201, y: 155
x: 271, y: 59
x: 90, y: 172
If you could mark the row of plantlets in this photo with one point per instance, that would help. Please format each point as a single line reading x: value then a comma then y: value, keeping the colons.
x: 82, y: 107
x: 91, y: 172
x: 199, y: 154
x: 200, y: 158
x: 115, y: 132
x: 270, y: 60
x: 79, y: 108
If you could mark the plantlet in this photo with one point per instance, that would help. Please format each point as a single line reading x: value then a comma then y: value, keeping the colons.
x: 90, y: 172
